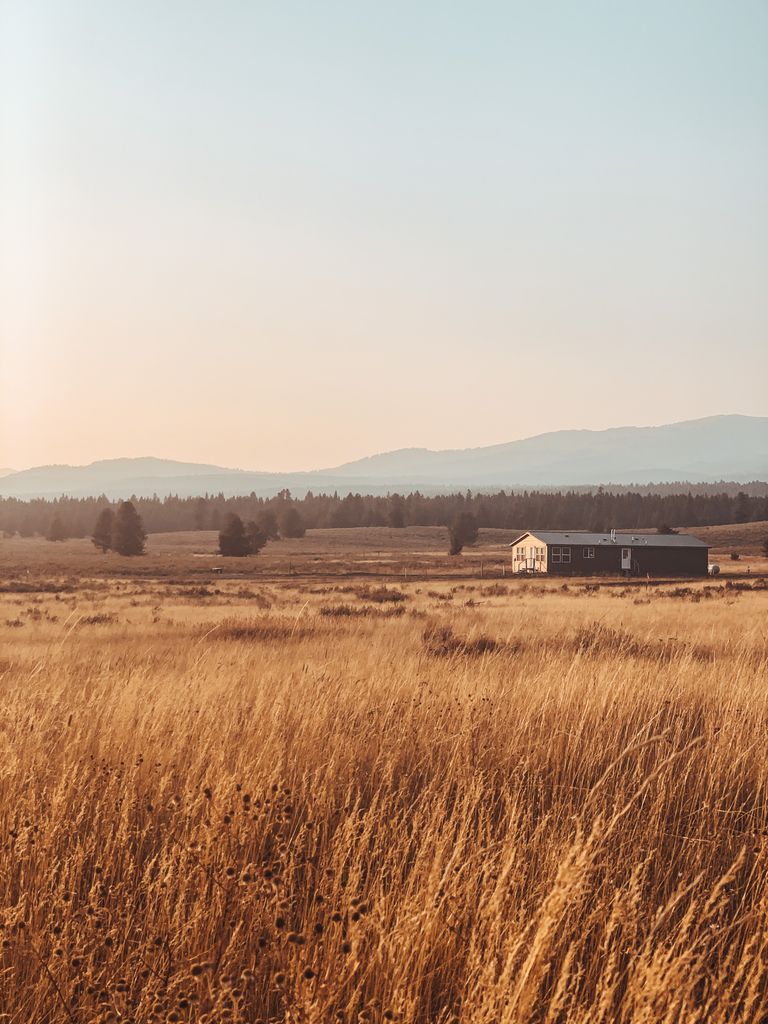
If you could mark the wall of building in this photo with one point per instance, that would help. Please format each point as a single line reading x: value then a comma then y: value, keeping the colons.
x: 645, y: 561
x: 534, y: 555
x: 671, y: 561
x: 607, y: 559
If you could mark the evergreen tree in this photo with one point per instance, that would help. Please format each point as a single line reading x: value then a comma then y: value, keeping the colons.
x: 396, y: 514
x: 200, y: 514
x: 128, y: 533
x: 255, y: 536
x: 651, y: 507
x: 102, y: 531
x: 57, y: 530
x: 742, y: 508
x: 233, y: 542
x: 266, y: 520
x: 462, y: 531
x: 291, y: 523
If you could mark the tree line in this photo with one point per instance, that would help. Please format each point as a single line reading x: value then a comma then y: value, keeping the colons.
x: 598, y: 510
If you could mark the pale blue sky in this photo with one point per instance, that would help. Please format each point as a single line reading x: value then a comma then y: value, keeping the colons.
x: 282, y: 235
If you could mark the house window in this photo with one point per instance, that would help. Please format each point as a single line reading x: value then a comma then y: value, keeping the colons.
x: 561, y: 555
x: 589, y: 552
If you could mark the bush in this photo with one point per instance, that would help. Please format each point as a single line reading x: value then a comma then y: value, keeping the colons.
x: 442, y: 642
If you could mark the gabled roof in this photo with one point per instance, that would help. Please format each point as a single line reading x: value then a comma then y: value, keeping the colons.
x: 627, y: 540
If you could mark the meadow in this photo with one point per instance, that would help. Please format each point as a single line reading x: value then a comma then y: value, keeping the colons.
x: 255, y: 798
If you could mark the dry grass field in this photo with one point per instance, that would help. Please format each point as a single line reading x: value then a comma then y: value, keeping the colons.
x: 478, y: 801
x: 416, y: 552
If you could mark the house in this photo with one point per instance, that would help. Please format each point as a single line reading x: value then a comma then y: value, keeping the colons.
x: 591, y: 554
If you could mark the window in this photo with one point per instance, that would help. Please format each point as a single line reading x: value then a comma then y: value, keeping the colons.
x: 589, y: 552
x: 561, y: 555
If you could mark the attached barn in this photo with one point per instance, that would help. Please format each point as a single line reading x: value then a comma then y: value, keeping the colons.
x: 592, y: 554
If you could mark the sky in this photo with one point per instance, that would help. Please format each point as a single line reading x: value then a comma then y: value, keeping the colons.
x: 283, y: 235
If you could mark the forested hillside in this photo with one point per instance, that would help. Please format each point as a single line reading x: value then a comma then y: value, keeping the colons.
x: 600, y: 510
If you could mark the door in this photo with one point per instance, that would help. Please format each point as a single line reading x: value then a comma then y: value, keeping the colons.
x: 626, y: 558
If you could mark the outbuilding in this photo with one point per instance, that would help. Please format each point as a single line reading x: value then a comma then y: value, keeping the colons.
x: 590, y: 554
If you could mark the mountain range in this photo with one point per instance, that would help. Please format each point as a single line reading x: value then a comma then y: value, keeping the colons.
x: 696, y: 451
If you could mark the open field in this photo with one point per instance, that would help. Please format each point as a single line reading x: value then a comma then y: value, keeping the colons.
x: 415, y: 553
x: 471, y: 800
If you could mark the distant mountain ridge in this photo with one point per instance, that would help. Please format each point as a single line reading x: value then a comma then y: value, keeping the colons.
x: 697, y: 451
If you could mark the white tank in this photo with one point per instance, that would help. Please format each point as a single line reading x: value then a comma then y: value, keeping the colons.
x: 713, y: 569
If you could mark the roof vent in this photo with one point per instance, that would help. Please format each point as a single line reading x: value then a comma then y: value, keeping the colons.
x: 613, y: 536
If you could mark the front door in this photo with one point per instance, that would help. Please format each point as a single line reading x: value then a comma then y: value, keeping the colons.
x: 626, y: 559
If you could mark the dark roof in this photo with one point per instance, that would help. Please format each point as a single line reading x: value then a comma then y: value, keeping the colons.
x: 626, y: 540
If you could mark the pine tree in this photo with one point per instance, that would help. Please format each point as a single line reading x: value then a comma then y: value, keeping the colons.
x: 267, y: 521
x: 233, y: 542
x: 199, y: 517
x: 255, y: 536
x: 128, y: 533
x: 396, y: 514
x: 463, y: 530
x: 57, y: 530
x: 102, y: 531
x: 742, y: 508
x: 291, y: 523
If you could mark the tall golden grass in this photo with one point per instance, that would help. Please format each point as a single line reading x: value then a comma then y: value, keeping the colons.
x: 501, y: 805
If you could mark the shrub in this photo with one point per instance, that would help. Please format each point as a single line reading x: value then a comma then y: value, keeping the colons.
x: 441, y: 642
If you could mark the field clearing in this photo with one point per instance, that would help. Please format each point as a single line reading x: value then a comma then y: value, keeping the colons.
x: 463, y: 800
x: 414, y: 552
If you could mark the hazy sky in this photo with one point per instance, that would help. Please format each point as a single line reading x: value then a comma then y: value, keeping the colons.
x: 279, y: 235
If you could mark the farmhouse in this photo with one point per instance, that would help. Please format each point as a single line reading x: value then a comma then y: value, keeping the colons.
x: 590, y: 554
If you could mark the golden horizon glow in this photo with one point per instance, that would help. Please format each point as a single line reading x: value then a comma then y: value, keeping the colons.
x: 285, y: 243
